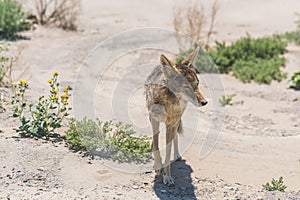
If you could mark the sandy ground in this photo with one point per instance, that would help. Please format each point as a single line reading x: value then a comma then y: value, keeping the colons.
x: 228, y: 153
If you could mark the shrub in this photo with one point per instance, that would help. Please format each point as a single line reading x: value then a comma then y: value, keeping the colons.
x: 226, y: 99
x: 295, y: 79
x: 61, y: 13
x: 248, y: 59
x: 12, y: 18
x: 108, y: 140
x: 45, y: 116
x: 9, y: 56
x: 259, y: 70
x: 192, y: 20
x: 247, y: 49
x: 275, y: 185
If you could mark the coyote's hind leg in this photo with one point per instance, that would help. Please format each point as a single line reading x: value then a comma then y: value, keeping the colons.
x: 155, y: 148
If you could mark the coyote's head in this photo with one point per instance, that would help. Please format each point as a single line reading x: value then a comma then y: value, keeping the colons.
x: 182, y: 79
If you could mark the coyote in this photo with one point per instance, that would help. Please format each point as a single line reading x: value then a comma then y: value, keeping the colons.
x: 168, y: 89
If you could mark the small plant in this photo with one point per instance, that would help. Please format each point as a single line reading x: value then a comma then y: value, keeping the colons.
x: 108, y: 140
x: 45, y: 116
x: 294, y: 36
x: 295, y: 79
x: 226, y: 99
x: 9, y: 56
x: 12, y: 18
x: 3, y: 67
x: 275, y: 185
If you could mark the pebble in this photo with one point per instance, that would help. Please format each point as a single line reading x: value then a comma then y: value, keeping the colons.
x: 135, y: 187
x: 40, y: 169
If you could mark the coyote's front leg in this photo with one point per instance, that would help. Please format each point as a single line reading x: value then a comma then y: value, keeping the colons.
x: 177, y: 156
x: 155, y: 148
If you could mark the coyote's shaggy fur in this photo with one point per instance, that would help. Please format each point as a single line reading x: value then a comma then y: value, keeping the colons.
x: 168, y: 89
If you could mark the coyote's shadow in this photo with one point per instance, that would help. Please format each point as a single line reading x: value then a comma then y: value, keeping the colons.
x: 183, y: 188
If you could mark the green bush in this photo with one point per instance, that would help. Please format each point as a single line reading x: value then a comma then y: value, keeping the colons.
x: 12, y: 18
x: 108, y: 140
x: 259, y: 70
x: 295, y: 79
x: 275, y: 185
x: 247, y: 49
x: 248, y: 59
x: 40, y: 120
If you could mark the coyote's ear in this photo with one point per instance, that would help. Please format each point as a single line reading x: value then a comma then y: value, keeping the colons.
x: 168, y: 68
x: 165, y: 61
x: 190, y: 58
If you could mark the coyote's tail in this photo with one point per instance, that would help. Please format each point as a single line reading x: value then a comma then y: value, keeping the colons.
x: 180, y: 129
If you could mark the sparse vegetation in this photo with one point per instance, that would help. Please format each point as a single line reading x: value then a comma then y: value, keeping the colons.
x: 8, y: 58
x: 294, y: 36
x: 4, y: 70
x: 295, y: 79
x: 61, y: 13
x: 226, y: 99
x: 12, y: 19
x: 275, y: 185
x: 108, y: 139
x: 42, y: 119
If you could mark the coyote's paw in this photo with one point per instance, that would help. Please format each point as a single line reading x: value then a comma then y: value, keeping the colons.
x: 168, y: 180
x: 177, y: 157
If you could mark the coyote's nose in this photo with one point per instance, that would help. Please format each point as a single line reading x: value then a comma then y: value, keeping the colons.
x: 203, y: 103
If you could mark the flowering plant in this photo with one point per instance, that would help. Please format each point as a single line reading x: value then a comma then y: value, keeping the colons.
x: 44, y: 117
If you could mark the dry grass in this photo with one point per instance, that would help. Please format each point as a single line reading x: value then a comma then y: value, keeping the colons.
x: 191, y: 19
x: 9, y: 56
x: 61, y: 13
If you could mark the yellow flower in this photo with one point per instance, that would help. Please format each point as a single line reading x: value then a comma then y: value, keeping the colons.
x: 17, y: 93
x: 66, y: 89
x: 53, y: 97
x: 50, y: 81
x: 23, y: 82
x: 55, y: 91
x: 15, y: 85
x: 55, y: 74
x: 65, y: 103
x: 64, y: 96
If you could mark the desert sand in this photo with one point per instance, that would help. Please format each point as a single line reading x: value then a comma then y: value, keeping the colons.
x: 228, y: 153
